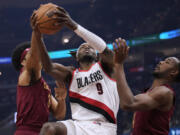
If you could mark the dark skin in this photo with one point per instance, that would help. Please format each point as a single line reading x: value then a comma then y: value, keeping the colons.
x: 64, y: 73
x: 59, y: 71
x: 160, y: 97
x: 32, y: 64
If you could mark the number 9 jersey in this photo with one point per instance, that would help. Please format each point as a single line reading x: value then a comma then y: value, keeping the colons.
x: 93, y: 95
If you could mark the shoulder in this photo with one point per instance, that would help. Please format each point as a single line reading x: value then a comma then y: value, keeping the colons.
x: 161, y: 94
x: 162, y: 90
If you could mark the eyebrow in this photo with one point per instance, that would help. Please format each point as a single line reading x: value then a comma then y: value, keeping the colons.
x: 172, y: 61
x: 169, y: 60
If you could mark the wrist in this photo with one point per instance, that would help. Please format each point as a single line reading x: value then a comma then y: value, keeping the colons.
x: 38, y: 34
x: 72, y: 25
x: 59, y: 99
x: 119, y: 65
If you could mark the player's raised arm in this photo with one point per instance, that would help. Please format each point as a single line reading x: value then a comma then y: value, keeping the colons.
x: 121, y: 52
x: 58, y: 71
x: 128, y: 101
x: 92, y: 39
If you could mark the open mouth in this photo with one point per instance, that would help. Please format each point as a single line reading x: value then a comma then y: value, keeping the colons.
x: 86, y: 51
x: 157, y: 67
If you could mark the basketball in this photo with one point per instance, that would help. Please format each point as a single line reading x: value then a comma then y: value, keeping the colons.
x: 45, y: 22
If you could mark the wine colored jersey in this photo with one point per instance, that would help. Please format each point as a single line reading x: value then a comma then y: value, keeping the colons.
x: 152, y: 122
x: 32, y: 106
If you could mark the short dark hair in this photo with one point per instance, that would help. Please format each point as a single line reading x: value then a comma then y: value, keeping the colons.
x: 17, y: 52
x: 177, y: 79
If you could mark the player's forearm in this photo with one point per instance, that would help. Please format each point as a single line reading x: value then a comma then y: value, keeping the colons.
x: 125, y: 93
x: 43, y: 54
x: 33, y: 59
x: 60, y: 110
x: 92, y: 39
x: 34, y: 51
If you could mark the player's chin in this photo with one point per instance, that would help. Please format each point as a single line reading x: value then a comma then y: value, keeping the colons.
x: 156, y: 74
x: 88, y: 58
x: 156, y: 71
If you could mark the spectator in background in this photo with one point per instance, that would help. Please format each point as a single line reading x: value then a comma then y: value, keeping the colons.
x: 154, y: 108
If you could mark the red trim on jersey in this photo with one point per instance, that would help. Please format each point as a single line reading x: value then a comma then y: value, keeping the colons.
x: 105, y: 72
x: 94, y: 103
x: 87, y: 69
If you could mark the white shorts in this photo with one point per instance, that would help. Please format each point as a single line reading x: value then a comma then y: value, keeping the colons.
x: 89, y: 128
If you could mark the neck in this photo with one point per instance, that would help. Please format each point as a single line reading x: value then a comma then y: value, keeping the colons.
x: 159, y: 82
x: 85, y: 65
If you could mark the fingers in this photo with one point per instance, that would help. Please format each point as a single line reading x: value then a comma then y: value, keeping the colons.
x: 114, y: 47
x: 60, y: 91
x: 124, y: 46
x: 120, y: 46
x: 60, y: 14
x: 34, y: 20
x: 60, y: 20
x: 59, y: 17
x: 0, y: 73
x: 34, y: 13
x: 61, y: 9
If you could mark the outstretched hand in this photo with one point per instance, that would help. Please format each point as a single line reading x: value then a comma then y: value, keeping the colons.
x: 63, y: 18
x: 121, y: 51
x: 60, y: 91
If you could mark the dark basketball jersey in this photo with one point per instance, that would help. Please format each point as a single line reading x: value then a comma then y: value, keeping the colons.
x: 152, y: 122
x: 32, y: 106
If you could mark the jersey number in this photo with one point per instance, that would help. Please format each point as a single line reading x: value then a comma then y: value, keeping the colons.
x: 99, y: 88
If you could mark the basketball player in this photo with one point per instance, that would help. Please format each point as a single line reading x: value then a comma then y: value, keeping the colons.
x: 34, y: 99
x: 154, y: 108
x: 93, y: 93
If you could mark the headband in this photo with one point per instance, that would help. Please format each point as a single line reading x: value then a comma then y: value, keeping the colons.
x: 24, y: 54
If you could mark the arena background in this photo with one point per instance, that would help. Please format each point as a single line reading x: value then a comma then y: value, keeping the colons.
x: 141, y: 22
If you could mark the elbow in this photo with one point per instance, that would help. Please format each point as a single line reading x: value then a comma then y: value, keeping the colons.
x: 48, y: 69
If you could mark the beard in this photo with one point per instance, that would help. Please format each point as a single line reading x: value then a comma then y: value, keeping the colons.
x: 87, y: 59
x: 159, y: 75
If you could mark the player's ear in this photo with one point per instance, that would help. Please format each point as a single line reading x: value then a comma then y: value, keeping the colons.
x: 23, y: 63
x: 174, y: 73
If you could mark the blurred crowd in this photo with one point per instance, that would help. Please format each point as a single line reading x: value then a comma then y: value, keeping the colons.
x: 112, y: 19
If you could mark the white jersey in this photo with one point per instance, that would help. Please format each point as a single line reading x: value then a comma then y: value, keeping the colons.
x: 93, y: 95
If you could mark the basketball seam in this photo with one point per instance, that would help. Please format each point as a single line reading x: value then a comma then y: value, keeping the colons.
x: 44, y: 13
